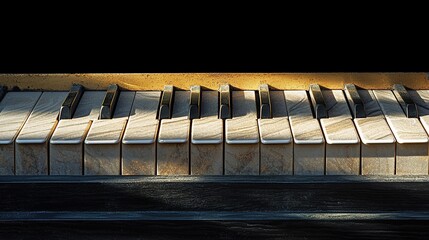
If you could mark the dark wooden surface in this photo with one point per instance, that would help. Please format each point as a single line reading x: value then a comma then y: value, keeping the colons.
x: 227, y: 207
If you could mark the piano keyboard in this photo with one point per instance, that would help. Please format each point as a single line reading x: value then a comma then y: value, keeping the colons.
x: 205, y: 132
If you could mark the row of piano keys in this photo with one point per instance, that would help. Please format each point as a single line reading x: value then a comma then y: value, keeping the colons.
x: 316, y: 132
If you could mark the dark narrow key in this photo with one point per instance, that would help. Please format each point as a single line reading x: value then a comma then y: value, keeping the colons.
x: 70, y: 103
x: 405, y: 101
x: 264, y: 100
x: 3, y: 92
x: 166, y: 102
x: 318, y: 101
x: 194, y: 103
x: 355, y: 101
x: 224, y: 102
x: 109, y: 102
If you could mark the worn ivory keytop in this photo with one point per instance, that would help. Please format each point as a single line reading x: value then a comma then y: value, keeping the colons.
x: 309, y: 145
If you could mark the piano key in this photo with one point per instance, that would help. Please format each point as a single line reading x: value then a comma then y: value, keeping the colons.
x: 412, y: 140
x: 70, y: 103
x: 265, y: 102
x: 405, y: 101
x: 109, y: 102
x: 356, y: 105
x: 32, y: 144
x: 242, y: 137
x: 421, y: 99
x: 309, y: 145
x: 3, y: 92
x: 378, y: 142
x: 318, y: 101
x: 224, y: 102
x: 276, y: 148
x: 15, y: 109
x: 207, y: 138
x: 342, y: 141
x: 195, y: 103
x: 166, y: 102
x: 103, y: 142
x: 139, y: 142
x: 66, y: 145
x: 173, y: 138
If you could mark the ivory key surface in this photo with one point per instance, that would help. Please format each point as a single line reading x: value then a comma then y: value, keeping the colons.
x: 103, y: 142
x: 139, y: 142
x: 378, y: 142
x: 342, y: 141
x: 15, y: 109
x: 207, y: 138
x: 66, y: 145
x: 173, y: 138
x: 412, y: 140
x: 242, y: 137
x: 276, y: 147
x: 32, y: 144
x: 309, y: 145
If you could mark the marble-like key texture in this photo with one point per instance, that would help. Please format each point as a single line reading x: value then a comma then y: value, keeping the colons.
x: 103, y: 142
x: 378, y: 142
x: 139, y: 142
x: 242, y: 137
x: 276, y: 148
x: 66, y: 145
x: 412, y: 140
x: 342, y: 140
x: 15, y: 109
x: 31, y: 148
x: 173, y: 139
x: 309, y: 144
x: 207, y: 138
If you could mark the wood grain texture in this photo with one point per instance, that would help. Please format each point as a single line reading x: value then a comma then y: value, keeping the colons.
x: 378, y: 159
x: 244, y: 81
x: 221, y: 229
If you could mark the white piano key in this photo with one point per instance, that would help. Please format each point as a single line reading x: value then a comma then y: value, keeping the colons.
x: 139, y: 142
x: 342, y: 141
x: 412, y: 140
x: 207, y: 138
x: 421, y: 99
x: 103, y: 142
x: 242, y: 137
x: 309, y: 148
x: 66, y: 145
x: 173, y: 138
x: 15, y: 109
x: 276, y: 148
x: 378, y: 142
x: 31, y: 149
